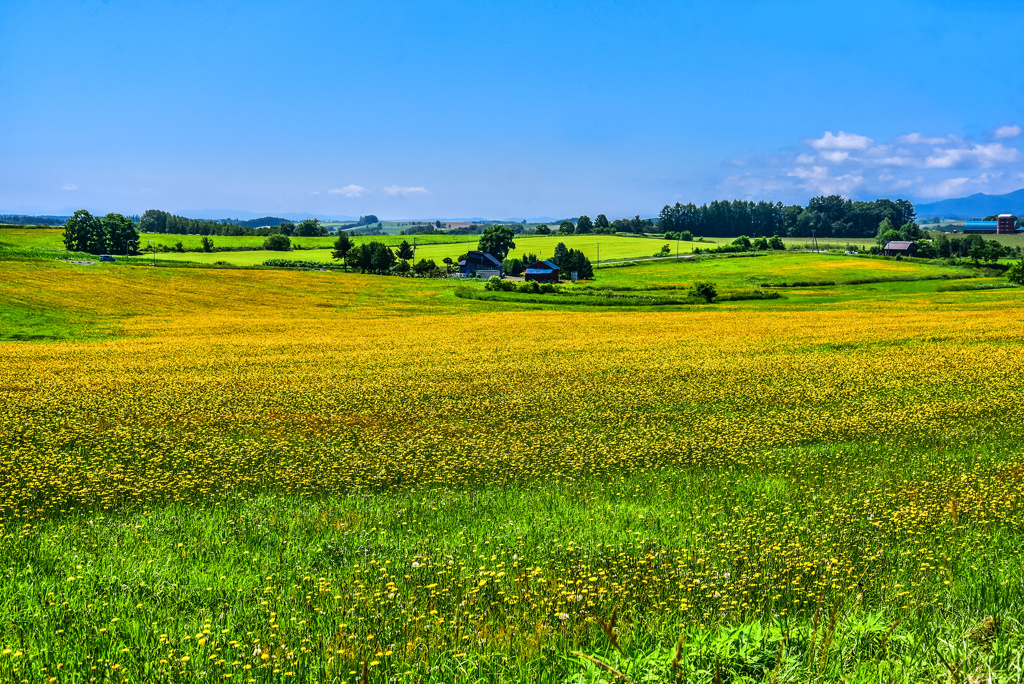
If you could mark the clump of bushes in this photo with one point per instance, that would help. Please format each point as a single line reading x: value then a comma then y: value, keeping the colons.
x: 704, y: 290
x: 496, y: 284
x: 277, y: 243
x: 296, y: 263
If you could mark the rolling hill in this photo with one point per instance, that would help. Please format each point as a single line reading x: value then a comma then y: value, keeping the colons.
x: 978, y: 205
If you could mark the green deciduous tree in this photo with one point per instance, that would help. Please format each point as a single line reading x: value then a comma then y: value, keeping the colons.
x: 342, y: 246
x: 601, y: 224
x: 574, y: 261
x: 566, y: 228
x: 310, y: 228
x: 1015, y: 274
x: 542, y: 229
x: 559, y: 256
x: 513, y: 266
x: 424, y: 267
x: 278, y: 243
x: 584, y: 225
x: 84, y: 232
x: 886, y: 232
x: 405, y: 250
x: 374, y: 257
x: 497, y: 241
x: 119, y: 233
x: 742, y: 241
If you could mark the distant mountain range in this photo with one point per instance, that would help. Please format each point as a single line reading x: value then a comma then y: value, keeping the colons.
x: 975, y: 206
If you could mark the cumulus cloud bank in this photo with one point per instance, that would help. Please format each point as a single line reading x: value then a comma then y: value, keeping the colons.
x: 913, y: 165
x: 1008, y: 131
x: 350, y: 191
x: 396, y: 191
x: 842, y: 141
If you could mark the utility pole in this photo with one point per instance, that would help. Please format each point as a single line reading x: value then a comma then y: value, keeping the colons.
x: 598, y: 253
x: 414, y: 250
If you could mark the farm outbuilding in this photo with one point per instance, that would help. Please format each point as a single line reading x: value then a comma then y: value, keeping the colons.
x: 899, y: 248
x: 981, y: 227
x: 1005, y: 224
x: 480, y: 264
x: 543, y: 272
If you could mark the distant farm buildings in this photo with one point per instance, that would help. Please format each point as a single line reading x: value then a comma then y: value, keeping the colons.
x: 543, y: 272
x: 1005, y: 224
x: 480, y: 265
x: 899, y: 248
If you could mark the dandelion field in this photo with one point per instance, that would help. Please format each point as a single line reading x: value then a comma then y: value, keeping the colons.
x: 322, y: 477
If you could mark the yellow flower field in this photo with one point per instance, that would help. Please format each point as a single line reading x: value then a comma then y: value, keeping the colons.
x: 275, y: 476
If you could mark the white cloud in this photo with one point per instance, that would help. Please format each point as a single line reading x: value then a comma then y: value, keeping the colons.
x: 1011, y: 131
x: 395, y: 191
x: 918, y: 139
x: 816, y: 172
x: 350, y: 191
x: 843, y: 141
x: 911, y: 165
x: 950, y: 187
x: 69, y: 186
x: 818, y: 181
x: 892, y: 161
x: 985, y: 156
x: 835, y: 156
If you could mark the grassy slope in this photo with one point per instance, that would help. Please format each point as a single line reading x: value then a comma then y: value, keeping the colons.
x: 438, y: 246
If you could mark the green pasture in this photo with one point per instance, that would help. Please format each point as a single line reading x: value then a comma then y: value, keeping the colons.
x: 1016, y: 240
x: 807, y: 280
x: 610, y: 248
x: 38, y: 238
x: 766, y: 267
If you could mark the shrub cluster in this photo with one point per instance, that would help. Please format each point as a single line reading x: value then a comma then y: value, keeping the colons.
x: 297, y: 263
x: 496, y: 284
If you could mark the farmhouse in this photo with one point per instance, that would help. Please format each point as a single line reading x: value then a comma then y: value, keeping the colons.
x: 899, y: 248
x: 480, y: 264
x: 542, y: 271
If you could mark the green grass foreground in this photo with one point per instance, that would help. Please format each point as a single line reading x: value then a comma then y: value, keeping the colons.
x: 420, y: 578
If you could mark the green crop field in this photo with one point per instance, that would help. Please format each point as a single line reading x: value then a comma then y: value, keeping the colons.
x: 611, y: 247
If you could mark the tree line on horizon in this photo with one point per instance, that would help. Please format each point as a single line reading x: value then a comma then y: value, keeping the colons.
x: 831, y: 216
x: 157, y: 221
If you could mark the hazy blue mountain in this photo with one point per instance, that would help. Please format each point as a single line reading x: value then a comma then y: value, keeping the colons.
x: 976, y: 206
x: 221, y: 214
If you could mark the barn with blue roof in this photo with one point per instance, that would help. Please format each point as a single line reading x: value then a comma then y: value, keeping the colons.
x: 543, y: 272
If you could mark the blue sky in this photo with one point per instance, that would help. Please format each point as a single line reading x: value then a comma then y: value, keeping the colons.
x: 502, y: 109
